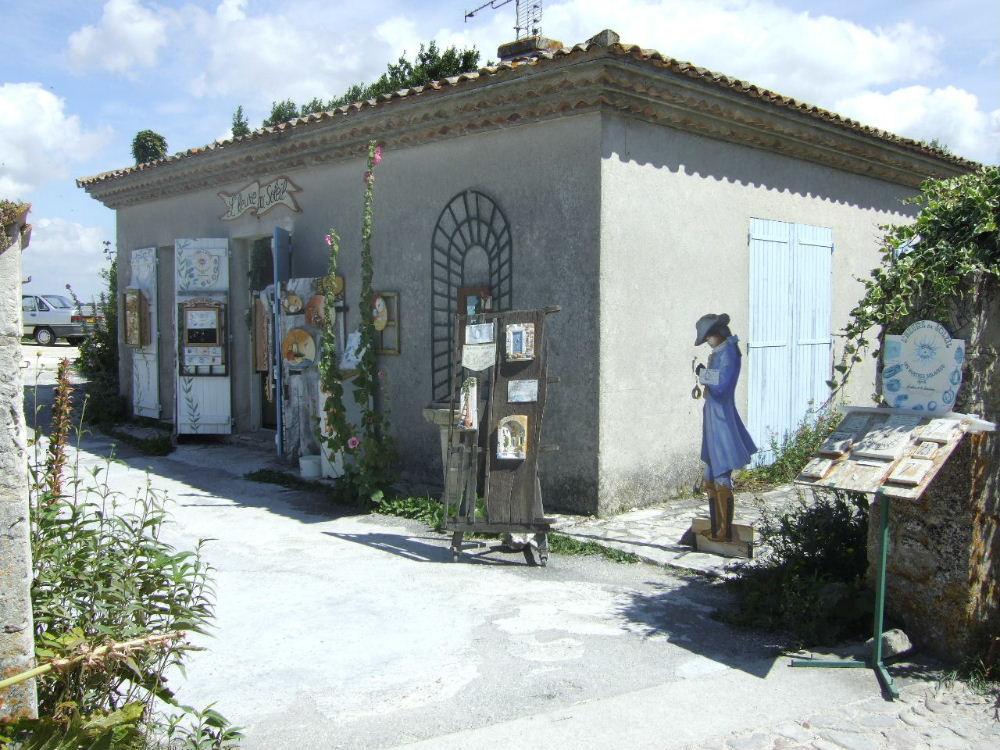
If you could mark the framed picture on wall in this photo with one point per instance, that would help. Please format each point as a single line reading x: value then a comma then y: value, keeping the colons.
x: 474, y: 299
x: 386, y: 315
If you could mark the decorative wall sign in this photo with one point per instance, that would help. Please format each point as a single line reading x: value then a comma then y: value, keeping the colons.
x: 200, y: 269
x: 940, y: 430
x: 837, y: 443
x: 922, y: 368
x: 479, y: 333
x: 911, y: 471
x: 292, y: 303
x: 261, y: 337
x: 258, y: 199
x: 926, y: 450
x: 136, y: 318
x: 817, y: 468
x: 512, y: 437
x: 520, y: 342
x: 316, y: 311
x: 351, y: 357
x: 298, y: 349
x: 522, y: 391
x: 477, y: 357
x: 380, y: 315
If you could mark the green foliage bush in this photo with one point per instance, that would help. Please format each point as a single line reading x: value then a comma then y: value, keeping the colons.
x: 791, y: 452
x: 810, y: 583
x: 103, y: 574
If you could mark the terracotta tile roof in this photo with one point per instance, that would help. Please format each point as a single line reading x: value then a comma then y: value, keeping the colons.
x: 538, y: 59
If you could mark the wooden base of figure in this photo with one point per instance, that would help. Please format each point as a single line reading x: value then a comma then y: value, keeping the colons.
x: 740, y: 544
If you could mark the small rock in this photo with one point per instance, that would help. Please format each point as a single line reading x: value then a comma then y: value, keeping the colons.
x: 894, y: 643
x: 935, y: 705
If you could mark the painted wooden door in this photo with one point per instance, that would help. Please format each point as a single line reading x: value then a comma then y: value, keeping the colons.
x: 204, y: 401
x: 788, y: 354
x: 145, y: 359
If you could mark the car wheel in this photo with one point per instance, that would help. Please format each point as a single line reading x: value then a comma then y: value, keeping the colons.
x: 45, y: 336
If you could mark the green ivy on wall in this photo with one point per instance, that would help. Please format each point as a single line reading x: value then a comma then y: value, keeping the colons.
x: 929, y: 267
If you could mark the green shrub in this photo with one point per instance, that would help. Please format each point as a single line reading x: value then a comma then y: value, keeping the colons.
x: 791, y: 453
x: 810, y: 583
x: 104, y: 577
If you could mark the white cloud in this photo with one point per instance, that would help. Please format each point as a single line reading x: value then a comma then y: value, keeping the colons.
x: 39, y: 141
x: 64, y: 252
x: 951, y: 115
x: 128, y: 36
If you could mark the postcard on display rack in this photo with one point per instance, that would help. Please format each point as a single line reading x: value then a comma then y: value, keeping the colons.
x: 860, y: 476
x: 854, y: 422
x: 512, y: 437
x: 522, y: 391
x: 911, y: 471
x: 479, y: 333
x: 520, y: 342
x: 927, y: 449
x: 817, y: 468
x: 940, y: 430
x: 478, y: 357
x: 837, y: 444
x: 889, y: 439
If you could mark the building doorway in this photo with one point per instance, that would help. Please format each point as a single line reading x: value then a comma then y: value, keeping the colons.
x: 261, y: 272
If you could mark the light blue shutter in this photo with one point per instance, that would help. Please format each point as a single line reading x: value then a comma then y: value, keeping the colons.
x: 789, y: 348
x: 812, y: 250
x: 769, y: 350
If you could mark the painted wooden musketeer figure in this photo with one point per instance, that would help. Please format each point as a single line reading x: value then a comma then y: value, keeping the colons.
x: 725, y: 443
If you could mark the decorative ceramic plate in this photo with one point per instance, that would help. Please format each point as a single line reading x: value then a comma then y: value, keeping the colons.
x: 292, y: 303
x: 298, y: 349
x: 380, y: 313
x: 316, y: 311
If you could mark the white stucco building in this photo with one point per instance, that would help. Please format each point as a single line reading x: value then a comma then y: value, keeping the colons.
x: 636, y: 191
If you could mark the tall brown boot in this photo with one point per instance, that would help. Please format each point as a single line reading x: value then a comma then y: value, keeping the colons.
x: 710, y: 489
x: 725, y: 507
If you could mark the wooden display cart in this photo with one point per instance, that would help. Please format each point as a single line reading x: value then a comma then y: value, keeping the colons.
x: 888, y: 453
x: 494, y: 450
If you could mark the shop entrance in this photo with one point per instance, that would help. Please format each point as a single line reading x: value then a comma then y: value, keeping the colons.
x: 261, y: 276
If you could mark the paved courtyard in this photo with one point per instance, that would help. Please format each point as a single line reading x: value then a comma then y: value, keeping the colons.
x: 356, y: 631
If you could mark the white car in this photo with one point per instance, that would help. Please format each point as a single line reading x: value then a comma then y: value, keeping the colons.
x: 48, y: 317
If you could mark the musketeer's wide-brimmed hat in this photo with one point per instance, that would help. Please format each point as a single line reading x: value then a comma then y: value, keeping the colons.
x: 705, y: 325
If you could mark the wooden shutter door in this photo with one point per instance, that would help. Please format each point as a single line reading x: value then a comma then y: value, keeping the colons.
x: 145, y: 359
x: 769, y: 350
x: 812, y: 252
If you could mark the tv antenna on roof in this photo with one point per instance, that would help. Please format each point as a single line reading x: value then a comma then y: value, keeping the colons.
x: 528, y: 12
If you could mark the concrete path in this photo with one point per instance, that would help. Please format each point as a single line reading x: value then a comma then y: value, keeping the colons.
x: 348, y: 631
x: 654, y: 533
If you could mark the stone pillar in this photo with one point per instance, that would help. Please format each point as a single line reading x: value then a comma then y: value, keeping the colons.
x: 16, y: 630
x: 944, y: 551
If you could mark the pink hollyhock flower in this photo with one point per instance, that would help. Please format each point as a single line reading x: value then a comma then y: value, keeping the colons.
x: 381, y: 374
x: 353, y: 443
x: 328, y: 240
x: 378, y: 155
x: 369, y: 177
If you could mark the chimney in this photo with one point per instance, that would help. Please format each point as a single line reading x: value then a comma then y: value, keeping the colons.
x: 529, y: 46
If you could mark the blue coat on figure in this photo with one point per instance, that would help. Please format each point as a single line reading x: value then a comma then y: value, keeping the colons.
x: 725, y: 443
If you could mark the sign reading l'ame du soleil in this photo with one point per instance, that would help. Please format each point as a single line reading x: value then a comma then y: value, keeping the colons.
x: 259, y: 198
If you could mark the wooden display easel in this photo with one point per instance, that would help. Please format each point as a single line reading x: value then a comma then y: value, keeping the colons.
x: 883, y: 493
x: 511, y: 488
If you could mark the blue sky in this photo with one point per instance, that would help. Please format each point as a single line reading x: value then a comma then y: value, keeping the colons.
x: 78, y: 79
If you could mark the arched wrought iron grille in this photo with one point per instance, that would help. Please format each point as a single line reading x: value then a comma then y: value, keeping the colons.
x: 474, y: 222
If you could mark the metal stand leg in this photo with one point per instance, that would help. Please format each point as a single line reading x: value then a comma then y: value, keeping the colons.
x: 875, y: 663
x: 456, y: 545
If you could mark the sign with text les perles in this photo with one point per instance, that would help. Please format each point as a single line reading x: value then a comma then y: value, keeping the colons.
x: 922, y: 368
x: 258, y: 198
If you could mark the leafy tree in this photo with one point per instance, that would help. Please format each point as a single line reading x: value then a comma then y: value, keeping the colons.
x: 148, y: 146
x: 281, y: 112
x: 241, y: 126
x: 429, y: 64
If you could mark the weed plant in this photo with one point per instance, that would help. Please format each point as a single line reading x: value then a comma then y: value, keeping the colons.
x: 791, y: 453
x: 103, y: 574
x: 810, y: 582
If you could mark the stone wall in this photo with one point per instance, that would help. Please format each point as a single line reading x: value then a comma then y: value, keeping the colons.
x: 16, y: 631
x: 944, y: 551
